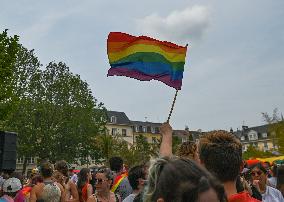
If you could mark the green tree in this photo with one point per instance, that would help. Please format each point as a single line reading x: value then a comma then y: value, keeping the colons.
x: 69, y: 121
x: 26, y: 82
x: 57, y: 116
x: 8, y: 54
x: 275, y: 128
x: 253, y: 152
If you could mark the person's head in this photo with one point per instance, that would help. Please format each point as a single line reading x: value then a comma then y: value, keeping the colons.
x: 46, y: 169
x: 172, y: 179
x: 137, y: 177
x: 116, y: 164
x: 36, y: 179
x: 221, y: 153
x: 62, y: 167
x: 266, y: 165
x: 188, y: 150
x: 258, y: 172
x: 11, y: 186
x: 84, y: 175
x: 103, y: 179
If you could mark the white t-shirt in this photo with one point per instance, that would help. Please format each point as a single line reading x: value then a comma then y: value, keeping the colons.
x: 272, y: 195
x: 129, y: 198
x: 272, y: 182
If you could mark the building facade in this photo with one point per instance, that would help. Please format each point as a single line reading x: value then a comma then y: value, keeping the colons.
x: 149, y: 130
x: 118, y: 124
x: 258, y: 136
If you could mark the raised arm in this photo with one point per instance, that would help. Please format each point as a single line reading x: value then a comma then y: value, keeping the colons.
x: 167, y: 136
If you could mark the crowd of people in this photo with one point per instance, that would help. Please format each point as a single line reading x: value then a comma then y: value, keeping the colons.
x: 211, y: 170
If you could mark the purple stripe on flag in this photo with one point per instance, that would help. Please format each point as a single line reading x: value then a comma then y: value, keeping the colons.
x: 144, y: 77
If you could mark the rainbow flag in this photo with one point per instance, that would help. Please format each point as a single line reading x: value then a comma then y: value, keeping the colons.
x: 145, y: 58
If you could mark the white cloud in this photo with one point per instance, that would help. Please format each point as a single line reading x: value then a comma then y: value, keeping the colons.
x: 179, y: 26
x: 44, y: 23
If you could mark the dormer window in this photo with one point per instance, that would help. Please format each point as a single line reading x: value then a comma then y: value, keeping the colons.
x: 113, y: 119
x: 253, y: 135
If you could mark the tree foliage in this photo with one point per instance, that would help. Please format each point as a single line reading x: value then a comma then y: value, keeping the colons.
x: 8, y: 54
x: 253, y: 152
x: 56, y: 115
x: 276, y: 128
x: 139, y: 153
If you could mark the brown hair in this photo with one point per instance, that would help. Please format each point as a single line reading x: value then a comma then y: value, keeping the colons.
x: 185, y: 185
x: 187, y: 150
x: 62, y: 167
x: 221, y: 153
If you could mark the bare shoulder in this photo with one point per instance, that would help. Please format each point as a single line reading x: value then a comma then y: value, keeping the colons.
x: 60, y: 186
x: 71, y: 184
x: 38, y: 186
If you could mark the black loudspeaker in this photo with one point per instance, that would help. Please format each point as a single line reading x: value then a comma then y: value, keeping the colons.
x: 8, y: 150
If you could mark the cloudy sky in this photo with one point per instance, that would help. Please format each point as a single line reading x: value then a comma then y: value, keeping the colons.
x: 235, y: 61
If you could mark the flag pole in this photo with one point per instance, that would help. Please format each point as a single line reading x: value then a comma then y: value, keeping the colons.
x: 172, y: 107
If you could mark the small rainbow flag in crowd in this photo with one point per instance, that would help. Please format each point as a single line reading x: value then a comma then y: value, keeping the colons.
x: 145, y: 58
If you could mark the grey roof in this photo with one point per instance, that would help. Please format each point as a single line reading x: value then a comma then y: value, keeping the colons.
x: 259, y: 129
x: 181, y: 133
x: 149, y: 126
x: 145, y: 123
x: 121, y: 118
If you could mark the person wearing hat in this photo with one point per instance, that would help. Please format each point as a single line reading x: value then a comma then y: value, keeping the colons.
x: 11, y: 187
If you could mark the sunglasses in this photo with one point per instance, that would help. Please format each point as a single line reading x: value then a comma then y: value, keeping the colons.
x: 256, y: 173
x: 100, y: 181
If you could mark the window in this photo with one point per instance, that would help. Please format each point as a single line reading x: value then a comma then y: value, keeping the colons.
x: 123, y: 132
x: 242, y: 138
x: 113, y: 119
x: 265, y: 146
x: 253, y: 135
x: 136, y: 128
x: 140, y: 129
x: 148, y: 129
x: 30, y: 160
x: 113, y: 131
x: 157, y: 130
x: 20, y: 160
x: 152, y: 130
x: 144, y: 129
x: 264, y: 135
x: 184, y: 139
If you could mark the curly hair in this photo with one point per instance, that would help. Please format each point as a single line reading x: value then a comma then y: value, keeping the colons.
x: 187, y: 150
